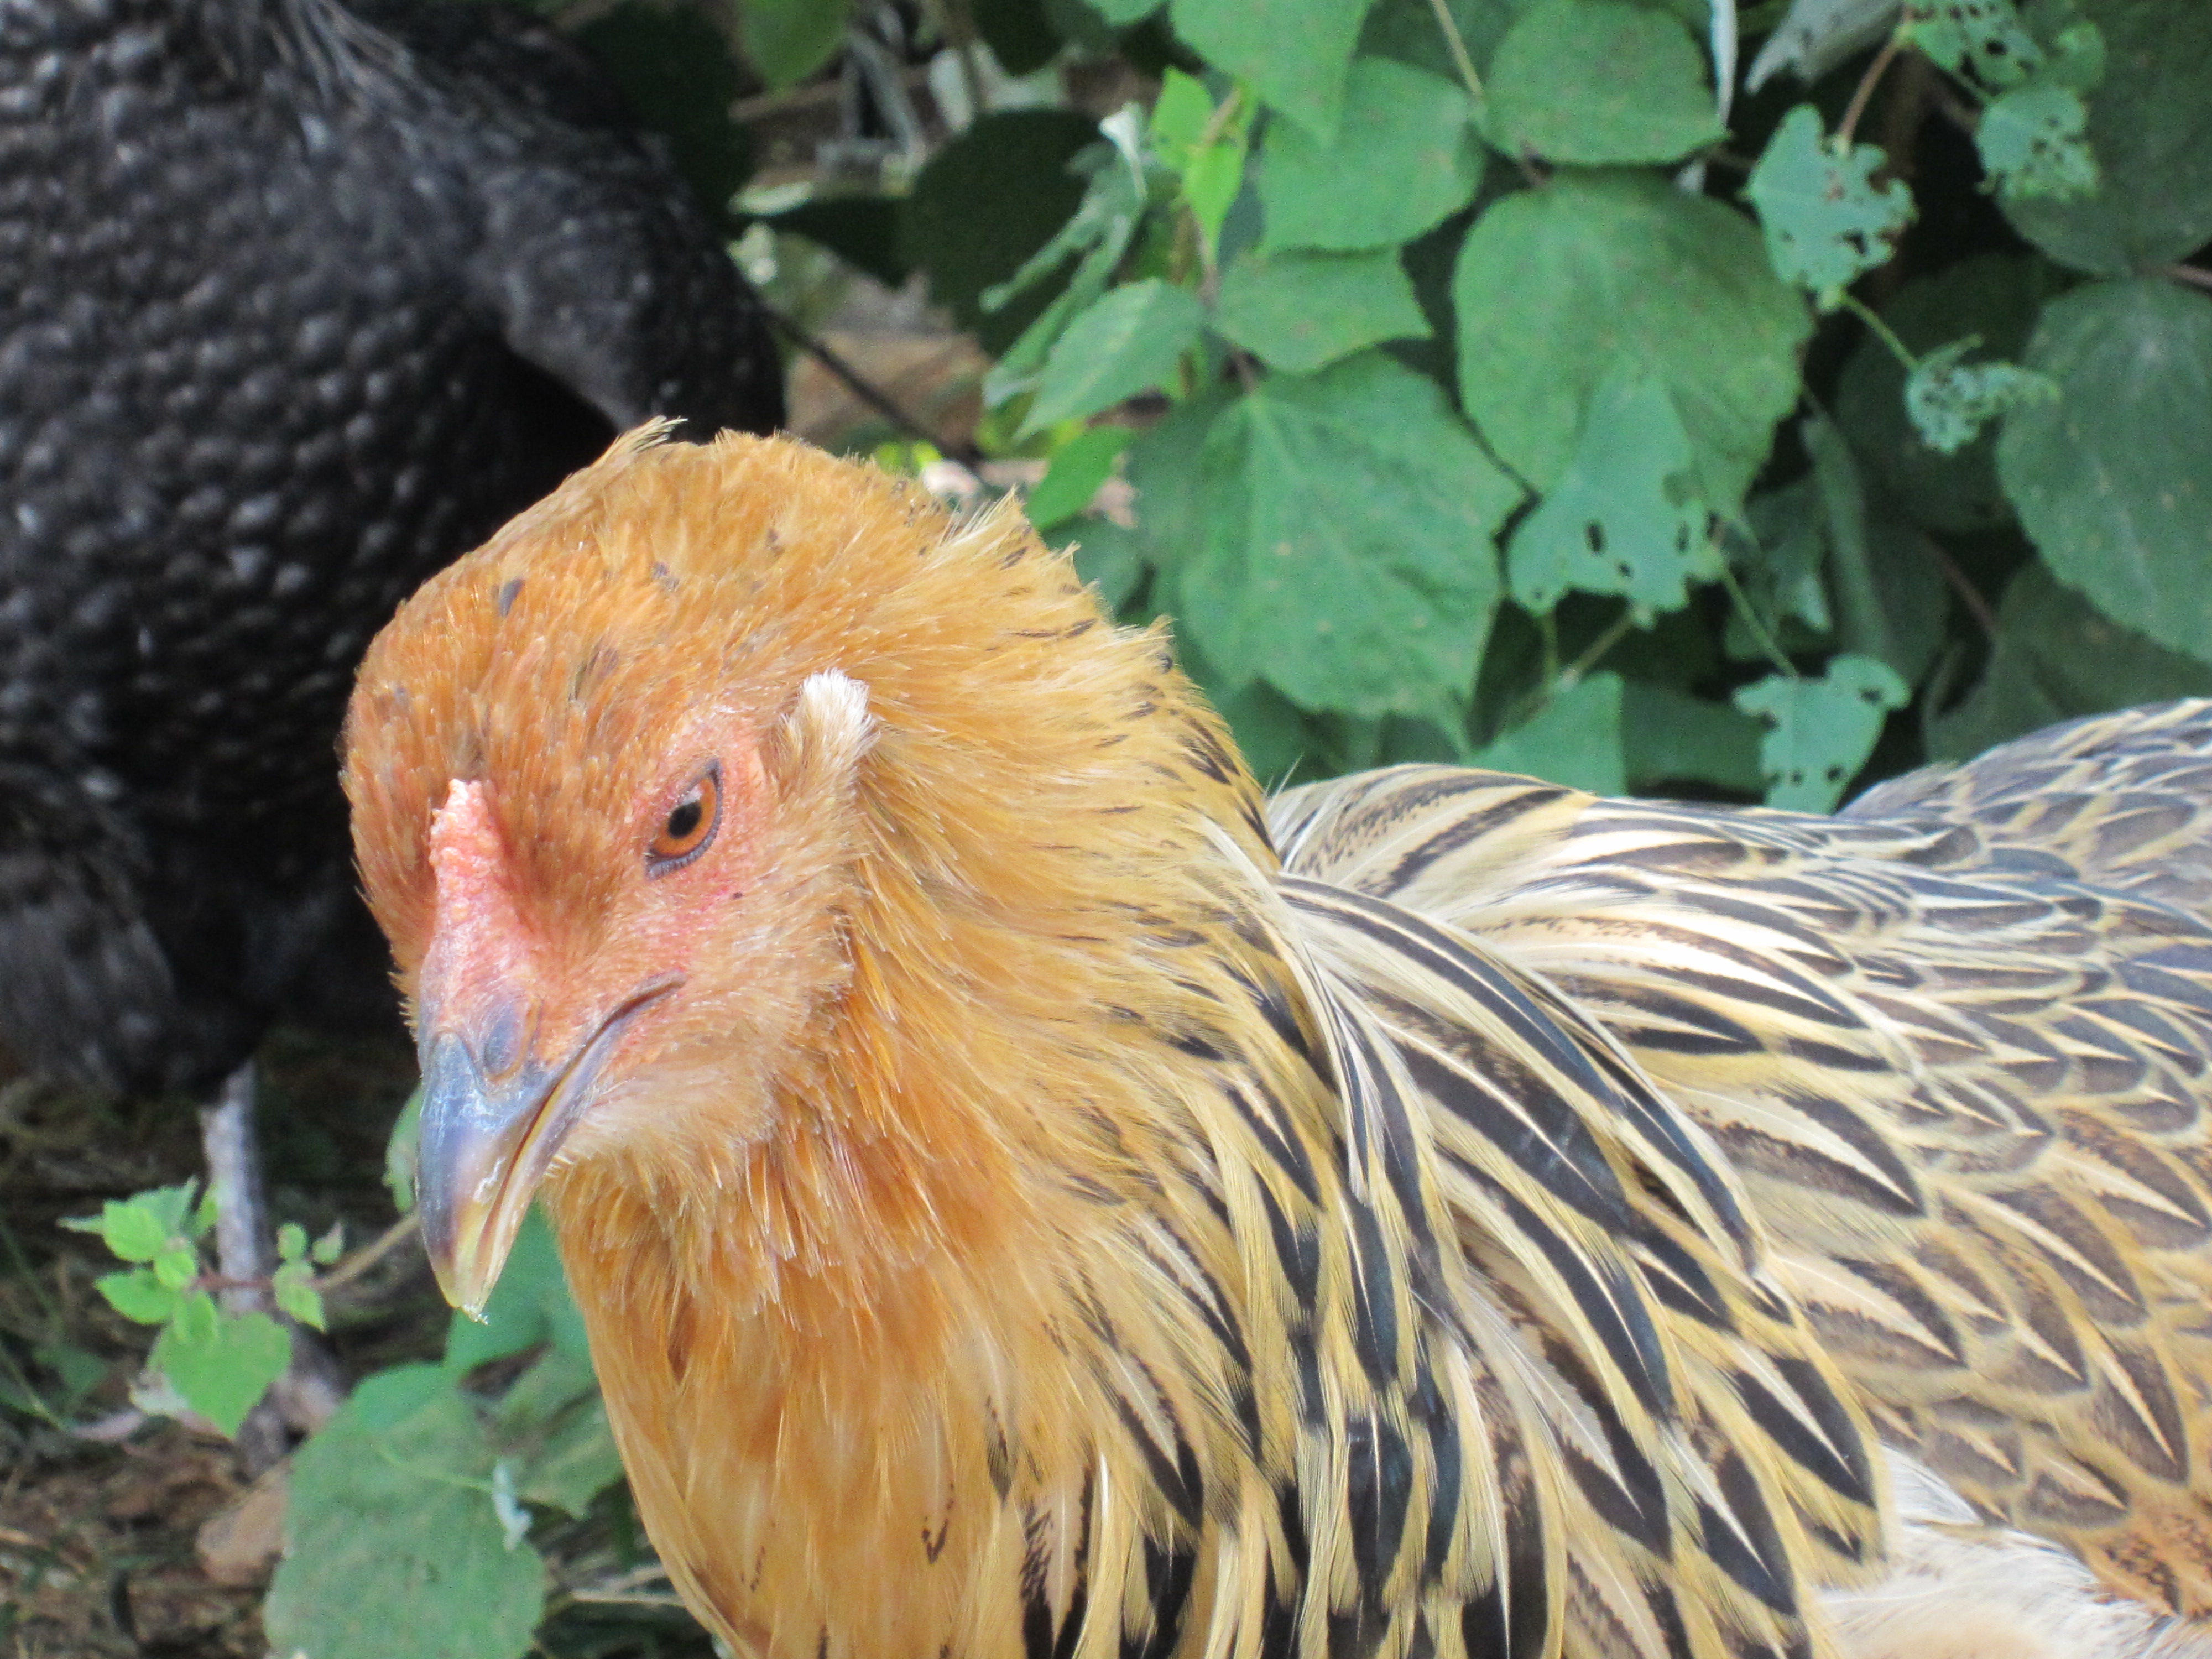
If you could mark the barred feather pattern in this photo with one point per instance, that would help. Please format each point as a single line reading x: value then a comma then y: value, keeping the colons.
x: 1957, y: 1043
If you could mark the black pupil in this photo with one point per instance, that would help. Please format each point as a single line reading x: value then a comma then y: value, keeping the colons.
x: 684, y: 819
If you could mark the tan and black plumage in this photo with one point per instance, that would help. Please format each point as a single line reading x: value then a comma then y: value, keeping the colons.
x: 1031, y: 1201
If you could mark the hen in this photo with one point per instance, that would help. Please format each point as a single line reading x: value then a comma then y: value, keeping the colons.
x: 299, y: 303
x: 1030, y: 1197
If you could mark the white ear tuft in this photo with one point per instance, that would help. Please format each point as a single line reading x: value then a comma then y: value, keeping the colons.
x: 829, y: 726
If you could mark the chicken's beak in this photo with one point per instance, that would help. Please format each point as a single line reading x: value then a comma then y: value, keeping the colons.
x: 495, y: 1113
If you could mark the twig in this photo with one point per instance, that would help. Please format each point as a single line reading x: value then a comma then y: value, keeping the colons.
x: 861, y: 388
x: 1866, y: 314
x: 2195, y: 275
x: 360, y: 1261
x: 1457, y: 45
x: 1752, y: 620
x: 1969, y: 595
x: 1874, y: 71
x: 1593, y: 654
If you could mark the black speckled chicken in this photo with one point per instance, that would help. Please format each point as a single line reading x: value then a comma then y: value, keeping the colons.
x: 297, y: 302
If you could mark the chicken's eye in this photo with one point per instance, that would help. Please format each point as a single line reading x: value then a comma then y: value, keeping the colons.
x: 689, y: 827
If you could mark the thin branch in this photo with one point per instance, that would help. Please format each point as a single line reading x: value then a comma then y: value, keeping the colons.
x: 861, y: 387
x: 1876, y: 70
x: 1752, y: 620
x: 1593, y: 653
x: 358, y: 1262
x: 1866, y: 314
x: 1457, y: 45
x: 1969, y: 595
x: 2195, y: 275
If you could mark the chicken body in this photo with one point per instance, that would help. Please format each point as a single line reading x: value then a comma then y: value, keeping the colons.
x: 1028, y: 1200
x: 295, y: 303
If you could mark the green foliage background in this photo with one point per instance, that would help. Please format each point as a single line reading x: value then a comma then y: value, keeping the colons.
x: 1492, y: 389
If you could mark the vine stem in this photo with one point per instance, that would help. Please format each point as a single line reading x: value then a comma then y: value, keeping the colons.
x: 343, y: 1272
x: 1592, y: 655
x: 1456, y: 44
x: 1864, y: 91
x: 1882, y: 332
x: 1755, y: 622
x: 2195, y: 276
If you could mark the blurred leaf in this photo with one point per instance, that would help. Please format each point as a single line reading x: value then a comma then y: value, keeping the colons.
x: 1784, y: 569
x: 137, y: 1295
x: 1204, y: 146
x: 393, y: 1549
x: 1296, y: 53
x: 1888, y: 588
x: 291, y: 1242
x: 985, y: 204
x: 220, y: 1363
x: 294, y: 1287
x: 788, y: 40
x: 1599, y: 83
x: 1624, y: 517
x: 2150, y: 130
x: 1556, y: 286
x: 1574, y: 739
x: 1826, y: 221
x: 2111, y: 480
x: 1346, y: 554
x: 2057, y: 656
x: 1131, y: 341
x: 135, y: 1229
x: 531, y: 1305
x: 868, y: 231
x: 1950, y: 400
x: 553, y: 1423
x: 2031, y: 142
x: 1078, y: 467
x: 1994, y: 297
x: 1300, y: 312
x: 1108, y: 557
x: 1122, y: 13
x: 177, y: 1267
x: 1669, y: 737
x: 1984, y: 41
x: 1398, y: 125
x: 1821, y: 730
x: 400, y: 1154
x: 674, y: 69
x: 327, y: 1249
x: 1814, y: 36
x: 1018, y: 32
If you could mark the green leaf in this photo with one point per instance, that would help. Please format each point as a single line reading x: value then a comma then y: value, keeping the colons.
x: 1996, y: 297
x: 294, y: 1286
x: 1554, y: 287
x: 2111, y: 480
x: 331, y: 1245
x: 1826, y: 223
x: 1888, y: 584
x: 1078, y: 467
x: 134, y: 1229
x: 1109, y: 557
x: 1950, y: 400
x: 1400, y: 125
x: 1982, y: 39
x: 291, y: 1242
x: 1017, y: 161
x: 2031, y: 142
x: 1296, y: 53
x: 1130, y: 342
x: 1301, y: 312
x: 552, y: 1421
x: 136, y: 1294
x: 402, y: 1153
x: 2057, y: 656
x: 1574, y: 739
x: 1345, y: 555
x: 531, y: 1305
x: 1624, y: 517
x: 1206, y: 149
x: 393, y: 1549
x: 220, y: 1363
x: 1600, y: 84
x: 1669, y: 738
x: 178, y: 1267
x: 1821, y: 730
x: 787, y: 40
x: 2150, y: 130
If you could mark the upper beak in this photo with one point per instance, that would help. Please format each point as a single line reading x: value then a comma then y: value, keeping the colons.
x: 495, y: 1113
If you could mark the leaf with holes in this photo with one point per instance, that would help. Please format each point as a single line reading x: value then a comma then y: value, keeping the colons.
x: 1950, y: 400
x: 2033, y: 142
x: 1826, y: 223
x: 1984, y: 41
x: 1821, y: 730
x: 1625, y: 517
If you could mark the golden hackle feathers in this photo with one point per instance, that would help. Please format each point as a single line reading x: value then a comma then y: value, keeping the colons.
x: 1043, y: 1222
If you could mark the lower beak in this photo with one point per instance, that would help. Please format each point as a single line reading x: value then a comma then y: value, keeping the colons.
x: 489, y: 1133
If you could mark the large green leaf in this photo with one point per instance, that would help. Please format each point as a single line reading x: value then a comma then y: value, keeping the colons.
x: 221, y: 1362
x: 1556, y: 286
x: 393, y: 1549
x: 1889, y: 601
x: 1346, y: 555
x: 1129, y: 342
x: 1411, y: 129
x: 2113, y: 481
x: 1994, y: 298
x: 1600, y: 84
x: 1624, y: 517
x: 1300, y: 312
x: 1296, y: 53
x: 788, y: 40
x: 1574, y: 738
x: 2058, y: 656
x: 2150, y: 131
